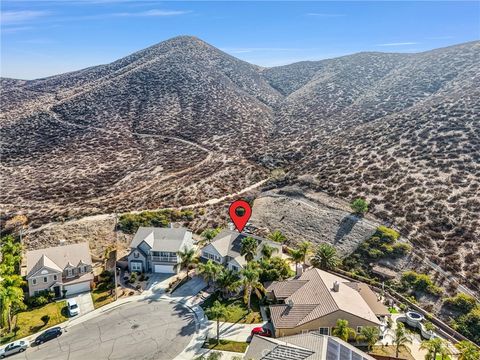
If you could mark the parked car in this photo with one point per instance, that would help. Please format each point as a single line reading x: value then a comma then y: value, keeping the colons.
x: 72, y: 307
x: 13, y: 348
x: 48, y: 335
x: 261, y: 331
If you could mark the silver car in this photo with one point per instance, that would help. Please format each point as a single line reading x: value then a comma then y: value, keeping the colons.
x: 13, y: 348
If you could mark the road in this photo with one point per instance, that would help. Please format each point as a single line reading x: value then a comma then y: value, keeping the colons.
x: 148, y: 329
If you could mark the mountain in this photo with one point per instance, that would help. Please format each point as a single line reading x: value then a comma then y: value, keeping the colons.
x: 182, y: 122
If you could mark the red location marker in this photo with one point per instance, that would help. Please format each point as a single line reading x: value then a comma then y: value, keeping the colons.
x: 240, y: 213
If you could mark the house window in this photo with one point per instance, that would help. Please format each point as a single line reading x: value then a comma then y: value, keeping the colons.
x: 136, y: 266
x: 45, y: 279
x: 359, y: 329
x: 69, y: 272
x: 85, y: 268
x: 55, y: 277
x: 34, y: 281
x: 136, y: 255
x: 324, y: 331
x: 234, y: 268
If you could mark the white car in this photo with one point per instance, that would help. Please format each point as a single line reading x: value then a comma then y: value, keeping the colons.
x: 72, y: 307
x: 13, y: 348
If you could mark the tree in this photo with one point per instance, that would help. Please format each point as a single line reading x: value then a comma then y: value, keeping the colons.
x: 187, y: 259
x: 400, y: 338
x: 359, y: 206
x: 210, y: 271
x: 251, y: 283
x: 325, y: 257
x: 277, y: 236
x: 249, y: 248
x: 45, y: 319
x: 267, y: 250
x: 434, y: 346
x: 216, y: 312
x: 11, y: 251
x: 296, y: 256
x: 274, y: 269
x: 343, y: 331
x: 468, y: 351
x: 305, y: 248
x: 370, y: 335
x: 11, y: 298
x: 228, y: 281
x: 209, y: 234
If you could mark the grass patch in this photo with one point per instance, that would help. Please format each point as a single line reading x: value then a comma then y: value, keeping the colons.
x: 389, y: 350
x: 226, y: 345
x: 392, y: 310
x: 238, y: 312
x: 102, y: 297
x: 29, y: 322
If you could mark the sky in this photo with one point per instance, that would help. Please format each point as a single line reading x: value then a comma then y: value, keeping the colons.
x: 42, y: 38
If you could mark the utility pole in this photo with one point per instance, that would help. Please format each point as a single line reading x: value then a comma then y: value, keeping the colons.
x: 115, y: 260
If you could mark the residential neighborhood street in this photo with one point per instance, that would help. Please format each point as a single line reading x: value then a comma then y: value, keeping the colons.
x: 145, y: 329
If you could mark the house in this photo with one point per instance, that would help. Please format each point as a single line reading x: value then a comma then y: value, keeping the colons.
x: 316, y: 299
x: 66, y: 267
x: 155, y: 249
x: 225, y: 249
x: 308, y: 346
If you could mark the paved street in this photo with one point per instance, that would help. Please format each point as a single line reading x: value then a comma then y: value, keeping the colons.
x: 147, y: 329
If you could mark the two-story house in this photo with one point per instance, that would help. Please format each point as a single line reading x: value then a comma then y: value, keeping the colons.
x: 155, y: 249
x: 226, y: 248
x: 66, y: 267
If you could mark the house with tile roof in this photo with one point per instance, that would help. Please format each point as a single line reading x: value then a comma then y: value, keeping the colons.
x: 316, y: 299
x: 155, y: 249
x: 66, y: 267
x: 226, y: 248
x: 308, y: 346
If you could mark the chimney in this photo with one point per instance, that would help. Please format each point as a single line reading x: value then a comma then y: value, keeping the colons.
x: 336, y: 286
x: 299, y: 270
x: 289, y: 303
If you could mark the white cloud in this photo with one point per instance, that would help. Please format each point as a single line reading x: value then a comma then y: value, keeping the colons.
x: 153, y: 12
x: 398, y: 44
x: 326, y: 15
x: 16, y: 17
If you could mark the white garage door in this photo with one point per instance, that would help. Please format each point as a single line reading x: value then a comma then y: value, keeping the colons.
x: 77, y: 288
x: 168, y: 269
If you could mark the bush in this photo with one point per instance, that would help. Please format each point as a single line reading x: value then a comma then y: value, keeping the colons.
x: 129, y: 223
x: 45, y: 319
x: 420, y: 282
x: 359, y: 206
x: 462, y: 302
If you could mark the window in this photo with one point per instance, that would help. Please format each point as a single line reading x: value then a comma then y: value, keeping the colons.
x: 136, y: 266
x: 324, y: 331
x: 234, y: 268
x: 359, y: 329
x: 136, y: 255
x: 69, y: 272
x: 84, y: 268
x: 45, y: 279
x: 34, y: 281
x: 55, y: 277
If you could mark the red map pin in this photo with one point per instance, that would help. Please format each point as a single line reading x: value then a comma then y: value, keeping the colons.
x: 240, y: 213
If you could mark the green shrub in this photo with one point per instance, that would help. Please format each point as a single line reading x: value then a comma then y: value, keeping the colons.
x: 129, y: 223
x: 45, y: 319
x: 461, y: 302
x: 420, y: 282
x: 359, y: 206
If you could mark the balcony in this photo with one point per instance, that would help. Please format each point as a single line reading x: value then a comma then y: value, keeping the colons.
x: 166, y: 259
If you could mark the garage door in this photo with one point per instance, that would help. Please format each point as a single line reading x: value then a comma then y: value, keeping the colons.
x: 168, y: 269
x: 77, y: 288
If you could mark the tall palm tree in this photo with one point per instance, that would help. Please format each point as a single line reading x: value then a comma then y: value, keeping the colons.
x: 267, y: 251
x: 343, y: 331
x: 11, y: 298
x: 296, y: 256
x: 277, y: 236
x: 370, y: 335
x: 249, y: 248
x: 210, y: 271
x: 251, y: 283
x: 468, y: 351
x: 325, y: 257
x: 187, y: 259
x: 216, y: 312
x: 434, y: 346
x: 305, y: 248
x: 400, y: 338
x: 228, y: 281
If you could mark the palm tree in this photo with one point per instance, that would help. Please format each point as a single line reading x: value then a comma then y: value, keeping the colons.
x: 342, y: 331
x: 249, y: 248
x: 370, y: 335
x: 268, y: 250
x: 187, y: 259
x: 251, y: 283
x: 216, y: 312
x: 277, y: 236
x: 296, y: 256
x: 434, y: 346
x: 325, y: 257
x: 400, y: 338
x: 305, y: 248
x: 210, y: 271
x: 11, y: 298
x: 229, y: 281
x: 468, y: 351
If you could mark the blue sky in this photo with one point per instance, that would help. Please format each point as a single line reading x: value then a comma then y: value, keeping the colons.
x: 41, y: 38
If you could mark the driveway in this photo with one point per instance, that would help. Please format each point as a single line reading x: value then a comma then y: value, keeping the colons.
x: 84, y: 302
x: 190, y: 288
x: 147, y: 329
x: 158, y: 282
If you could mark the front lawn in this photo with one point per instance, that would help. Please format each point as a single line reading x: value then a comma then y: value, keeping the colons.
x: 30, y: 322
x: 238, y: 311
x: 226, y: 345
x: 389, y: 350
x: 101, y: 297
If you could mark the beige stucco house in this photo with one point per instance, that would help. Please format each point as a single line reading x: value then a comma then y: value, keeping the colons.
x: 315, y: 300
x: 66, y: 267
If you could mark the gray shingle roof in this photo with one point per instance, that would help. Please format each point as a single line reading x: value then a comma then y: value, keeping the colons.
x: 229, y: 242
x: 162, y: 239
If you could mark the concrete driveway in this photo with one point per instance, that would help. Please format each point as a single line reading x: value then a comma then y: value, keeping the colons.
x: 84, y: 301
x: 190, y: 288
x: 148, y: 329
x: 158, y: 282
